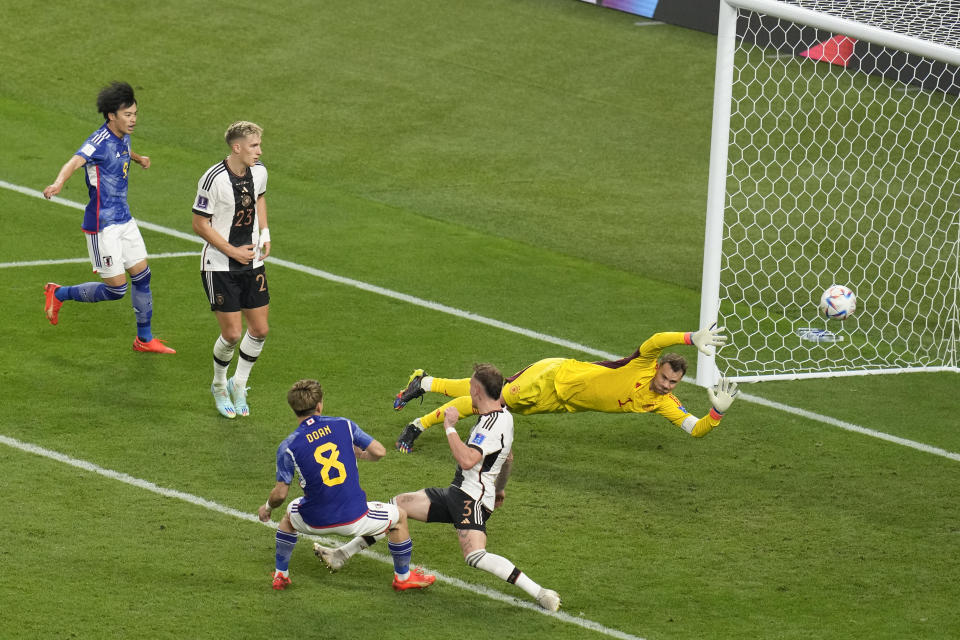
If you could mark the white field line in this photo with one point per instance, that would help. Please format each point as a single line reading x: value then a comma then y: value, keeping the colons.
x: 250, y: 517
x: 543, y: 337
x: 851, y: 427
x: 43, y: 263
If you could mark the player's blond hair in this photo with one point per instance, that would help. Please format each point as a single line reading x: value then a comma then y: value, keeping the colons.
x: 241, y: 129
x: 304, y: 396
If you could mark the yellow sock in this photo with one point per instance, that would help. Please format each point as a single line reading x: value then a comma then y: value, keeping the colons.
x: 463, y: 404
x: 451, y: 387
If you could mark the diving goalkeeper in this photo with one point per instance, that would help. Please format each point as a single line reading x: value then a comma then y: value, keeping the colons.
x: 640, y: 383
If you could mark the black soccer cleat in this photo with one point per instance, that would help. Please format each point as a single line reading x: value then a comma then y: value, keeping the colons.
x: 410, y: 433
x: 412, y: 392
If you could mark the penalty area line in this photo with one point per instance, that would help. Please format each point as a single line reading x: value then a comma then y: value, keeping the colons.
x: 491, y: 322
x: 250, y: 517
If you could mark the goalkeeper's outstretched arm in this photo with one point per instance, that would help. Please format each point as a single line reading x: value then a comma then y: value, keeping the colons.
x: 706, y: 340
x: 722, y: 396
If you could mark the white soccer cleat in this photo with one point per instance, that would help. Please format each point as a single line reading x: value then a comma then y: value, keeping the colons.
x: 333, y: 558
x: 548, y: 599
x: 222, y: 398
x: 238, y: 396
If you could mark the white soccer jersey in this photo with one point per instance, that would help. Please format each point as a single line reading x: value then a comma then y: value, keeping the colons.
x: 230, y: 202
x: 493, y: 436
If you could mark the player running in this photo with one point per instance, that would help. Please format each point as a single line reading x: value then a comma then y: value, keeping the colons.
x: 324, y: 451
x: 640, y: 383
x: 114, y: 242
x: 483, y: 467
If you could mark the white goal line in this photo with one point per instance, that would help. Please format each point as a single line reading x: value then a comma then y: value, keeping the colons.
x: 536, y: 335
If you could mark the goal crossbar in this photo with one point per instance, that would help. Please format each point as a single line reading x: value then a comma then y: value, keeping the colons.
x: 850, y: 28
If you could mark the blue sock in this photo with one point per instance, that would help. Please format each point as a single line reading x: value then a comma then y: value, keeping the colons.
x: 285, y: 544
x: 90, y: 292
x: 142, y: 300
x: 402, y: 552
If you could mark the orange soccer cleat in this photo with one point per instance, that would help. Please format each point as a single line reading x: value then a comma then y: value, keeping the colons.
x: 280, y: 581
x: 155, y: 345
x: 417, y: 580
x: 51, y: 306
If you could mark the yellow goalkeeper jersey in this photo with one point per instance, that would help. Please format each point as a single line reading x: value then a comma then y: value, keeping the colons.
x: 621, y: 386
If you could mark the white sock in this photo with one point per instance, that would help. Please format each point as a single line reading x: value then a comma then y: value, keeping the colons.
x: 250, y: 349
x: 360, y: 543
x: 524, y: 582
x: 426, y: 382
x: 503, y: 569
x: 222, y: 355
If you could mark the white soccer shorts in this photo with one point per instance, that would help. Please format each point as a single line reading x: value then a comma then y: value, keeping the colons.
x: 116, y: 248
x: 380, y: 517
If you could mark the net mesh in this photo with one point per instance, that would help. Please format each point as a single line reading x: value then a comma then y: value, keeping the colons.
x: 931, y: 20
x: 843, y: 168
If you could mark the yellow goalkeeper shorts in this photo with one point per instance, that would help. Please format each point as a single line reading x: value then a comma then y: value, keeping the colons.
x: 533, y: 391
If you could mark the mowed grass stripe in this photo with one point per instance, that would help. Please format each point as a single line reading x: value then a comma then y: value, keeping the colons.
x: 467, y: 315
x: 250, y: 517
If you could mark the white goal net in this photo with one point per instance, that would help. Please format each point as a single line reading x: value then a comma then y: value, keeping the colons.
x: 835, y: 159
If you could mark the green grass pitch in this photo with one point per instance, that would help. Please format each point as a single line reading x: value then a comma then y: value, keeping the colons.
x: 538, y: 162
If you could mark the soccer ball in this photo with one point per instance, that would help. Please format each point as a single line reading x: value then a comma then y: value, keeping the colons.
x: 838, y: 303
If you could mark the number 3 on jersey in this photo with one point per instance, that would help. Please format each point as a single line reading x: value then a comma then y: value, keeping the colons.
x: 329, y: 462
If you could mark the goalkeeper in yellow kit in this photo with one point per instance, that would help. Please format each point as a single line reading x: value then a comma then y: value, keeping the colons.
x: 640, y: 383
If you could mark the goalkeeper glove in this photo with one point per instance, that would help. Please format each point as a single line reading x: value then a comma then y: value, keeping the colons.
x: 709, y: 337
x: 723, y: 394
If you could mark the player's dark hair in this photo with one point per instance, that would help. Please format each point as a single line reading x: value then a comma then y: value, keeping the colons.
x: 115, y: 96
x: 304, y: 396
x: 489, y: 378
x: 675, y: 360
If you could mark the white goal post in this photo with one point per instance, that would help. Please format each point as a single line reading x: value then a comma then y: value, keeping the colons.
x: 825, y: 171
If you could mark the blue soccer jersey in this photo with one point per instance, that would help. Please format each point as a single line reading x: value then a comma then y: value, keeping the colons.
x: 108, y: 162
x: 321, y: 452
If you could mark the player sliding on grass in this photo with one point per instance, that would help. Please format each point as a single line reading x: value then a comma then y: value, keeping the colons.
x: 640, y: 383
x: 483, y: 466
x: 113, y: 238
x: 324, y: 451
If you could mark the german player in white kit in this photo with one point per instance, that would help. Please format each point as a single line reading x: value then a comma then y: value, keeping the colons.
x: 230, y: 214
x: 483, y: 466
